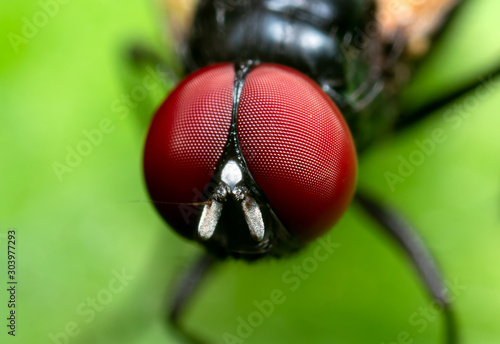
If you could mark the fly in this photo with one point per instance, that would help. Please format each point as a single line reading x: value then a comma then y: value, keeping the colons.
x: 280, y: 98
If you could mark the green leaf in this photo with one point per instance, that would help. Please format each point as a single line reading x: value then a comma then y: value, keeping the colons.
x: 95, y: 266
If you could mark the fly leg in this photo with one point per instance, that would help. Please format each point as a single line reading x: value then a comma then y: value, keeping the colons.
x: 141, y: 56
x: 397, y: 227
x: 147, y: 76
x: 187, y: 285
x: 412, y: 116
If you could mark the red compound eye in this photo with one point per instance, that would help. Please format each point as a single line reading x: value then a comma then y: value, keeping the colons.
x: 297, y: 147
x: 295, y: 141
x: 185, y: 142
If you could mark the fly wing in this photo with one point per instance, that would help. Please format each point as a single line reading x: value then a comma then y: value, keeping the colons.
x: 417, y: 21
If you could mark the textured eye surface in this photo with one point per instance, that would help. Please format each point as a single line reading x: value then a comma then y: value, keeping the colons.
x: 185, y: 142
x: 297, y: 147
x: 292, y: 136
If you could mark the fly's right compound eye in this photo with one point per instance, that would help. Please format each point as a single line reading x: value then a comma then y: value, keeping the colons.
x: 291, y: 145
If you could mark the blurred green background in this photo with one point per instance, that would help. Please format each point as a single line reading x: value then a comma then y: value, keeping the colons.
x: 65, y: 74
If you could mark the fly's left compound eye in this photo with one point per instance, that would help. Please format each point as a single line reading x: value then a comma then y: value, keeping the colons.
x: 292, y: 149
